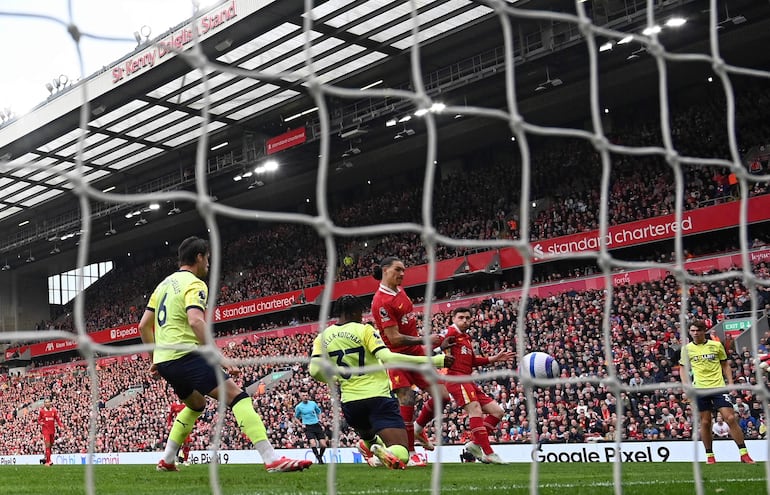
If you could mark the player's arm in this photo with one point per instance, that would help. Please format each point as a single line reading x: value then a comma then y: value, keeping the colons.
x: 387, y: 356
x: 377, y: 347
x: 500, y: 356
x: 147, y: 328
x: 58, y: 420
x: 727, y: 371
x: 296, y: 412
x: 398, y: 339
x: 315, y: 369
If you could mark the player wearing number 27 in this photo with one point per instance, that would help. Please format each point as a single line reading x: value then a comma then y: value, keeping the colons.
x: 708, y: 362
x: 175, y: 315
x: 367, y: 403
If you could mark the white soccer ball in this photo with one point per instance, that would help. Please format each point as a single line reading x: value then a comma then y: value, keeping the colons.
x: 539, y: 365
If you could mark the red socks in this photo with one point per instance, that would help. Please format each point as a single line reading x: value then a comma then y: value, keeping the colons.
x: 407, y: 412
x: 480, y: 435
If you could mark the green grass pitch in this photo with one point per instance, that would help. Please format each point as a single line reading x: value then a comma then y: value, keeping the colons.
x: 459, y: 479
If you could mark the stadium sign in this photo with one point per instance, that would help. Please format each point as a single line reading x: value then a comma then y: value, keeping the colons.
x: 560, y: 453
x: 179, y: 40
x: 644, y: 231
x: 247, y: 309
x: 285, y: 140
x: 734, y: 328
x: 108, y: 336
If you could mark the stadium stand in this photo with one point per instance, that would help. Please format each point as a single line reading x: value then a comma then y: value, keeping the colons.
x: 566, y: 324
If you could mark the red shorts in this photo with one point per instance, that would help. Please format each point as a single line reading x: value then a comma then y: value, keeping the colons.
x: 48, y: 437
x: 465, y: 393
x: 407, y: 378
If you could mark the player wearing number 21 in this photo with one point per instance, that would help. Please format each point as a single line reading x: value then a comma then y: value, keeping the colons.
x: 708, y: 362
x: 175, y: 316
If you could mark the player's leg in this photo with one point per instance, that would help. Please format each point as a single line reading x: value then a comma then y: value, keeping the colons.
x: 705, y: 406
x: 386, y: 420
x: 313, y: 432
x: 356, y: 414
x: 406, y: 402
x: 48, y: 443
x: 478, y: 431
x: 184, y: 375
x: 183, y: 425
x: 427, y: 411
x: 426, y: 416
x: 186, y: 446
x: 251, y: 425
x: 322, y: 442
x: 728, y: 414
x: 492, y: 410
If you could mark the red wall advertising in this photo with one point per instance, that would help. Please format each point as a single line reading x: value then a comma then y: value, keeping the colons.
x: 285, y: 140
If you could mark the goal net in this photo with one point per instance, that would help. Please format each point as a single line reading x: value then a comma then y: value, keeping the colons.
x: 597, y: 62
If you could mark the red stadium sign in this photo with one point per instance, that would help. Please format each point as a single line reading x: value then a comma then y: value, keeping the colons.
x: 649, y: 230
x: 108, y: 336
x: 247, y: 309
x: 285, y: 140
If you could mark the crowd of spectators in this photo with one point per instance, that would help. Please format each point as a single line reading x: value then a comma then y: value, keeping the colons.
x: 564, y: 184
x: 644, y: 331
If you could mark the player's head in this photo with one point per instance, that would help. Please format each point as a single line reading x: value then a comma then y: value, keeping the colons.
x: 349, y: 308
x: 698, y: 330
x: 461, y: 318
x: 304, y: 396
x: 390, y: 271
x: 194, y: 252
x: 47, y: 403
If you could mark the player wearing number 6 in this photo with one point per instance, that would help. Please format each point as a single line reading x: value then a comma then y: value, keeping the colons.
x: 367, y: 403
x: 708, y: 362
x: 175, y: 315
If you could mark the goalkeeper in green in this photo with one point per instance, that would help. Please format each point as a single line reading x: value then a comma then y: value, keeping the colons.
x: 367, y: 403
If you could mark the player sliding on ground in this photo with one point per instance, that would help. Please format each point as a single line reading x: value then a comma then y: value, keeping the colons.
x: 175, y: 315
x: 367, y: 403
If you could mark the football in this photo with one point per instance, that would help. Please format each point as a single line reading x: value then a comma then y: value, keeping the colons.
x: 539, y: 365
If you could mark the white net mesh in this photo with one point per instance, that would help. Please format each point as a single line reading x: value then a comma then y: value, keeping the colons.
x: 420, y: 97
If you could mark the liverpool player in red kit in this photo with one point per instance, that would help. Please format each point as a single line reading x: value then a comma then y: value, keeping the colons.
x: 469, y: 395
x: 174, y: 410
x: 48, y: 418
x: 394, y: 317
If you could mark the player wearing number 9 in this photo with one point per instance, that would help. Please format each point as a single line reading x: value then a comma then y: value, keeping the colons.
x: 175, y: 315
x: 367, y: 403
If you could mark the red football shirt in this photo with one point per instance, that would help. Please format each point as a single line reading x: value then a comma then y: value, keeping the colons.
x: 462, y: 351
x: 48, y: 419
x: 395, y: 308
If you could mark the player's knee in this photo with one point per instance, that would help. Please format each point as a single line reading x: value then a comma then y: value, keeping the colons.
x: 242, y: 395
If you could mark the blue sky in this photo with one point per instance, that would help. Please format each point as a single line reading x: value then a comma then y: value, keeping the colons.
x: 34, y: 51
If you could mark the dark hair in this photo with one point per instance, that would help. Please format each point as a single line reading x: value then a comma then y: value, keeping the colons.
x: 699, y: 324
x: 461, y: 309
x: 191, y: 248
x: 348, y: 305
x: 386, y: 262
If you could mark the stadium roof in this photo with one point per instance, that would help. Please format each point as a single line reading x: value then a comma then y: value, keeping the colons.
x: 146, y: 110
